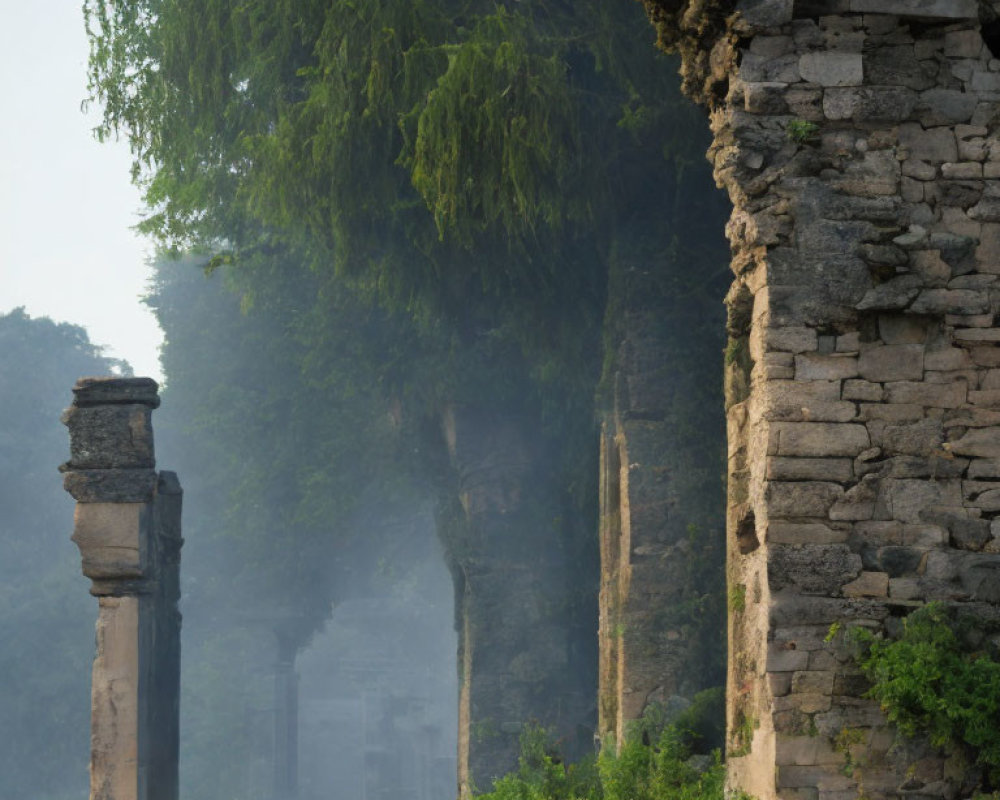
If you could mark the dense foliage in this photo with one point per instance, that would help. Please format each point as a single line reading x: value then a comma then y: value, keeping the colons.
x: 933, y: 681
x: 659, y: 760
x: 409, y: 205
x: 46, y: 615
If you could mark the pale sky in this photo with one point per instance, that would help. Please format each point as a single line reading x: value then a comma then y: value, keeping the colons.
x: 67, y: 250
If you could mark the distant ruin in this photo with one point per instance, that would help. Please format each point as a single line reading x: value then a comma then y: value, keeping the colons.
x: 128, y: 528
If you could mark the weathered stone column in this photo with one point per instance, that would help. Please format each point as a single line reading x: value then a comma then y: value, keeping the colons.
x: 515, y: 590
x: 286, y: 721
x: 127, y: 526
x: 660, y: 502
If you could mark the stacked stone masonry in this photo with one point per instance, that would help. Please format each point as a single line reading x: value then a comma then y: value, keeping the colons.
x: 859, y: 142
x: 127, y: 526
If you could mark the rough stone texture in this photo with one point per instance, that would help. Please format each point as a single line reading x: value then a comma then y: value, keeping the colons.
x: 656, y: 522
x: 514, y: 592
x: 867, y: 249
x: 127, y: 526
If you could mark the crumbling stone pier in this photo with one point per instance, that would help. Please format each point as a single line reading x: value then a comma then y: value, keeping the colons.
x: 127, y: 526
x: 859, y: 143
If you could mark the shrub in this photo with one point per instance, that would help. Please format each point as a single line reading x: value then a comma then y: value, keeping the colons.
x: 929, y: 681
x: 655, y: 761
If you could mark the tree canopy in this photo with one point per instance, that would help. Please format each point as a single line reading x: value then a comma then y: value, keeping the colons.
x: 46, y: 616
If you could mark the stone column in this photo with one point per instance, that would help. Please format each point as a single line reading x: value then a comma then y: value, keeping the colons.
x: 127, y: 526
x: 514, y: 599
x: 286, y: 721
x: 661, y: 518
x: 859, y: 141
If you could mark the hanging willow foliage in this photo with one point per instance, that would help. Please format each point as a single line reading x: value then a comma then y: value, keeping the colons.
x: 340, y: 125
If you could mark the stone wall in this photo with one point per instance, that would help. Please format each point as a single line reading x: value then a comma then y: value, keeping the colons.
x: 517, y: 590
x: 127, y: 526
x: 859, y: 142
x: 660, y: 499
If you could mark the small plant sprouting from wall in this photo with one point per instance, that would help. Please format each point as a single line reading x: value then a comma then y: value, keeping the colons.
x: 939, y: 679
x: 738, y: 598
x: 801, y: 131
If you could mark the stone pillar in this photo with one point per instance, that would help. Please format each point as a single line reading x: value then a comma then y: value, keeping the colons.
x: 286, y: 722
x: 127, y: 526
x: 661, y: 514
x: 859, y: 141
x: 514, y: 582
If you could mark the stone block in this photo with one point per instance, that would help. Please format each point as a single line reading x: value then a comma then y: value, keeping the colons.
x: 912, y: 191
x: 896, y: 65
x: 984, y: 468
x: 760, y: 69
x: 919, y: 170
x: 877, y: 533
x: 818, y: 777
x: 919, y: 438
x: 812, y: 682
x: 875, y: 175
x: 934, y: 395
x: 821, y: 439
x: 831, y: 68
x: 896, y: 293
x: 765, y: 13
x: 869, y: 103
x: 110, y: 485
x: 938, y: 464
x: 946, y: 358
x: 833, y: 367
x: 934, y: 145
x: 963, y: 43
x: 951, y: 301
x: 964, y: 170
x: 110, y: 436
x: 108, y: 535
x: 899, y: 561
x: 971, y: 417
x: 801, y: 498
x: 868, y: 584
x: 812, y: 568
x: 808, y: 703
x: 803, y: 751
x: 849, y: 343
x: 804, y: 533
x: 838, y: 470
x: 933, y: 9
x: 791, y: 338
x: 977, y: 334
x: 893, y: 362
x: 765, y: 98
x: 904, y: 588
x: 782, y: 659
x: 858, y: 502
x: 984, y: 495
x: 988, y: 400
x: 977, y: 442
x: 863, y: 390
x: 115, y: 391
x: 906, y: 500
x: 945, y: 107
x: 984, y: 355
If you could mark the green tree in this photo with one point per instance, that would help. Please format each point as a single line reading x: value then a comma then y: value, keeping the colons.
x: 46, y: 617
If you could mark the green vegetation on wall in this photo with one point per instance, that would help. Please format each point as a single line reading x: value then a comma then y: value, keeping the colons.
x: 659, y: 760
x: 941, y: 679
